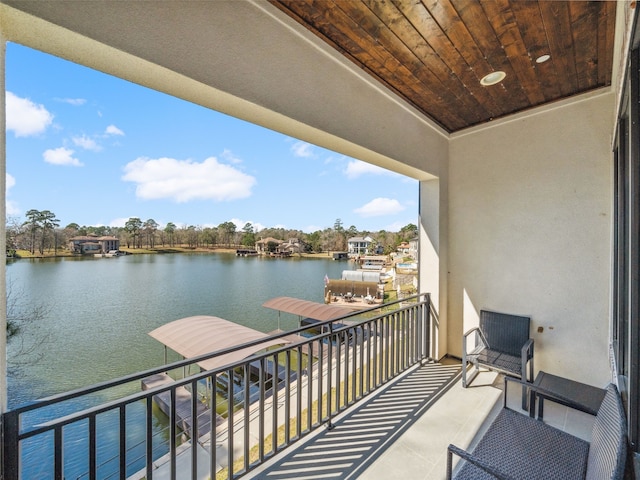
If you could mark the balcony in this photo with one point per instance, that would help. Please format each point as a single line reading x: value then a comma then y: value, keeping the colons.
x: 400, y: 432
x: 360, y: 400
x: 530, y: 212
x: 318, y: 380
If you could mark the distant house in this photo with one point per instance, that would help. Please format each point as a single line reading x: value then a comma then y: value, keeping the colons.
x: 268, y: 245
x: 403, y: 248
x: 90, y: 244
x: 413, y: 248
x: 408, y: 249
x: 294, y: 245
x: 357, y: 246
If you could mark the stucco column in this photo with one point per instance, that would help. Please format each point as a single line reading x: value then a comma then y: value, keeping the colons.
x: 432, y: 255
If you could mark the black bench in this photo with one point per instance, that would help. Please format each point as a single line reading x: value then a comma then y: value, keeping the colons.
x: 516, y: 446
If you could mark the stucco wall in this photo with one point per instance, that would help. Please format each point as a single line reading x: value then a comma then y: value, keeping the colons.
x: 529, y: 218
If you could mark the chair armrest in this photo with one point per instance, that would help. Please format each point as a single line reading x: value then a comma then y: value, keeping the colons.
x: 527, y: 350
x: 470, y: 331
x: 571, y: 403
x: 526, y: 356
x: 468, y: 457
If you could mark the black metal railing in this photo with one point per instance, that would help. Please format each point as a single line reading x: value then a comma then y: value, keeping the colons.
x: 250, y: 410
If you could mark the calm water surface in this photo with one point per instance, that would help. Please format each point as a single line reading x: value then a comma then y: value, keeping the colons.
x: 101, y: 310
x: 99, y: 313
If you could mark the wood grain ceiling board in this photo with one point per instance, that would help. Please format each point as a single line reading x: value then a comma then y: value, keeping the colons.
x: 433, y: 53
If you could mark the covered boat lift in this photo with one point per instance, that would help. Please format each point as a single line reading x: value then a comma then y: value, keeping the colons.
x: 199, y: 335
x: 202, y: 334
x: 308, y: 312
x: 307, y: 309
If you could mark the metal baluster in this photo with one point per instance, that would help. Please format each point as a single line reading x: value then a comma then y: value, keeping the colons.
x: 58, y: 447
x: 230, y: 432
x: 92, y: 448
x: 261, y: 409
x: 194, y: 430
x: 213, y: 418
x: 172, y: 432
x: 123, y: 441
x: 247, y: 419
x: 149, y: 437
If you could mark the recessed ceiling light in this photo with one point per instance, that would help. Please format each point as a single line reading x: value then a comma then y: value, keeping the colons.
x: 543, y: 58
x: 492, y: 78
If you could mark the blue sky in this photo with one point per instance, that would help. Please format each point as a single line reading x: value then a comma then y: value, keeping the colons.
x: 97, y: 150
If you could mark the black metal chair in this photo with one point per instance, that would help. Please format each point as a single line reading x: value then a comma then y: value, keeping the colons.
x: 502, y: 344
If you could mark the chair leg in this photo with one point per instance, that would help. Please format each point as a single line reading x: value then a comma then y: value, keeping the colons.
x: 464, y: 375
x: 528, y: 379
x: 466, y: 380
x: 525, y: 398
x: 464, y: 363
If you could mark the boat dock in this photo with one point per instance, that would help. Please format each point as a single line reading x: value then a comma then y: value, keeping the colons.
x: 183, y: 405
x: 246, y: 252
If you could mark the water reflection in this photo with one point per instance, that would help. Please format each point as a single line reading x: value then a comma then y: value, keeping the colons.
x: 101, y: 311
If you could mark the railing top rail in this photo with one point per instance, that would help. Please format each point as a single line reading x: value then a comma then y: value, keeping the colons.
x: 58, y: 398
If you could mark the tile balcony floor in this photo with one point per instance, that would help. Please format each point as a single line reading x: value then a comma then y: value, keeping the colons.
x: 402, y: 431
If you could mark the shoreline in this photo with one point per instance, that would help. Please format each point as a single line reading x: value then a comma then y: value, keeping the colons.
x: 25, y: 254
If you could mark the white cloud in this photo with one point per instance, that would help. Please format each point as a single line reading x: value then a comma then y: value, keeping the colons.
x: 311, y: 228
x: 26, y: 118
x: 229, y: 157
x: 113, y: 130
x: 87, y: 143
x: 76, y: 102
x: 302, y: 149
x: 396, y: 226
x: 357, y: 168
x: 241, y: 223
x: 61, y: 156
x: 118, y: 222
x: 185, y: 180
x: 379, y: 207
x: 11, y: 206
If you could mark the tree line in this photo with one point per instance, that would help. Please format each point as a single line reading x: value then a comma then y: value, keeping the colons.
x: 40, y: 231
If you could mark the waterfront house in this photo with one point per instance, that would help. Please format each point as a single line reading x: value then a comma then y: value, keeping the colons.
x: 518, y: 119
x: 403, y: 248
x: 268, y: 245
x: 414, y: 244
x: 92, y: 244
x: 407, y: 249
x: 357, y: 246
x: 290, y: 247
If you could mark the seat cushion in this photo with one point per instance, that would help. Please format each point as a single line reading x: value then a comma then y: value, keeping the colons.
x: 496, y: 360
x: 526, y: 449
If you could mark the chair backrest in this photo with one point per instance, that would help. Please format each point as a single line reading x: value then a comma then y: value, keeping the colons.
x: 608, y: 448
x: 504, y: 332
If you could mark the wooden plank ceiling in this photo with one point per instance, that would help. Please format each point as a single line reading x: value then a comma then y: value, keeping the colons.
x: 433, y: 53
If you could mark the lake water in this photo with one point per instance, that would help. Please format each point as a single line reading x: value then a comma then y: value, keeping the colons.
x: 99, y: 313
x: 100, y: 310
